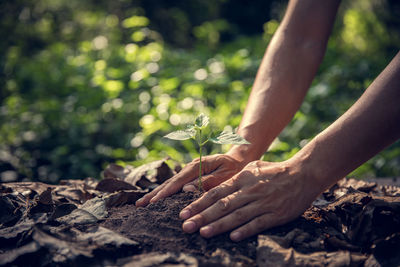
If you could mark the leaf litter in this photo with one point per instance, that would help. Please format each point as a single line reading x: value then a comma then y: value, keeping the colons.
x: 89, y: 222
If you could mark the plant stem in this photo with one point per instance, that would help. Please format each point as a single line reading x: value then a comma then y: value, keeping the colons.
x: 200, y: 172
x: 200, y: 152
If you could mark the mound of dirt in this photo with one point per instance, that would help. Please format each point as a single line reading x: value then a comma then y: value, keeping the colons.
x: 344, y: 227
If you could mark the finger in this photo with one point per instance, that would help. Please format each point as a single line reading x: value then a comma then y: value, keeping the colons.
x: 207, y: 182
x: 232, y: 220
x: 189, y: 188
x: 176, y: 184
x: 146, y: 198
x: 216, y: 178
x: 209, y: 163
x: 221, y: 208
x: 169, y: 187
x: 208, y: 199
x: 256, y: 226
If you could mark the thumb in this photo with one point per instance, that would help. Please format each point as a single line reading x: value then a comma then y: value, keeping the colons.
x: 208, y: 182
x: 209, y: 163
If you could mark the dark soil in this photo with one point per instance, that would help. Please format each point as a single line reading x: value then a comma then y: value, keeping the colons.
x: 364, y: 223
x: 158, y: 228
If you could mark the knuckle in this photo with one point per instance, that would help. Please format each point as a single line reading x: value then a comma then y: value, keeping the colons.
x: 238, y: 177
x: 224, y: 205
x: 236, y: 181
x: 251, y: 165
x: 260, y: 223
x: 194, y: 207
x: 192, y: 164
x: 200, y: 219
x: 255, y: 189
x: 207, y: 184
x: 239, y: 215
x: 149, y: 195
x: 213, y: 194
x: 206, y: 168
x: 221, y: 226
x: 254, y: 164
x: 210, y: 157
x: 212, y: 181
x: 255, y: 172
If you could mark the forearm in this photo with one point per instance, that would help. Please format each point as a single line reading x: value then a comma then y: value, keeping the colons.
x: 285, y: 74
x: 370, y: 125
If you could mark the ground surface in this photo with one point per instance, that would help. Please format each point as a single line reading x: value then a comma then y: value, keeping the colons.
x: 88, y: 223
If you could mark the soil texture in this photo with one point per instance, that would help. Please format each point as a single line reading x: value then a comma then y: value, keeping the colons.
x: 95, y: 223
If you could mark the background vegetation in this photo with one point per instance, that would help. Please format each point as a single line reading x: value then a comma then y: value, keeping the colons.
x: 86, y: 83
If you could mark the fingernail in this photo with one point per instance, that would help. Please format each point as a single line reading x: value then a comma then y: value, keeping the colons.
x: 184, y: 214
x: 235, y: 236
x: 189, y: 188
x: 189, y: 226
x: 138, y: 202
x: 206, y: 231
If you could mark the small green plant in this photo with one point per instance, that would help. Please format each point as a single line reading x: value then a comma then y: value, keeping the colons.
x: 197, y: 133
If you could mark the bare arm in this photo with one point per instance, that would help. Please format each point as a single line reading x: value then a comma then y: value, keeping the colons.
x: 370, y: 125
x: 285, y: 74
x: 265, y: 194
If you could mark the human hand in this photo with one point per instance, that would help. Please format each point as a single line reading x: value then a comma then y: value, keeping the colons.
x: 261, y: 196
x: 215, y: 170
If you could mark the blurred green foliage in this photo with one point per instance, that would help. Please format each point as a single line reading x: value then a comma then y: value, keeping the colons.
x: 86, y: 83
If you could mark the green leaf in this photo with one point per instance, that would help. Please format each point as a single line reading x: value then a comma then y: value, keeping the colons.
x: 202, y: 121
x: 181, y: 135
x: 226, y: 138
x: 191, y: 130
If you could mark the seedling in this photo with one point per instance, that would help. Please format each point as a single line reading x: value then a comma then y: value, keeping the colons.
x: 196, y: 132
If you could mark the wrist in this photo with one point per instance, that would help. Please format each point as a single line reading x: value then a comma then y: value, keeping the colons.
x: 243, y: 154
x: 311, y: 171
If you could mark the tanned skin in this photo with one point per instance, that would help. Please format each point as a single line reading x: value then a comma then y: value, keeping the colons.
x: 248, y: 195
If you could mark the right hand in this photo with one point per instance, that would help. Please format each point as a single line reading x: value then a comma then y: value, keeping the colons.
x: 215, y: 170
